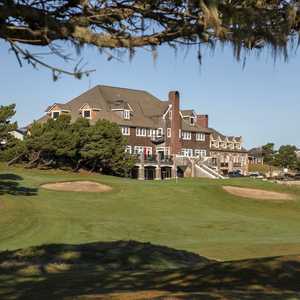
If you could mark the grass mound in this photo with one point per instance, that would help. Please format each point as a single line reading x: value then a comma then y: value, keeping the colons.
x: 134, y: 270
x: 119, y: 255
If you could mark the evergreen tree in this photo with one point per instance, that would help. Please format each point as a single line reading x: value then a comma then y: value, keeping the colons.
x: 286, y: 157
x: 6, y: 113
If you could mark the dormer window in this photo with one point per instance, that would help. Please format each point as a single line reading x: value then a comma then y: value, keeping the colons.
x: 192, y: 121
x: 86, y: 113
x: 55, y: 114
x: 126, y: 114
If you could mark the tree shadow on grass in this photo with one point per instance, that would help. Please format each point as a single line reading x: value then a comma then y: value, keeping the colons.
x: 9, y: 184
x: 129, y: 269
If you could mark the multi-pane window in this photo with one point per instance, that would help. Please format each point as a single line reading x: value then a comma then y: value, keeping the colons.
x: 186, y: 135
x: 138, y: 149
x: 125, y: 130
x: 141, y: 131
x: 86, y: 113
x: 126, y: 114
x: 128, y: 149
x: 200, y: 152
x: 187, y: 152
x: 200, y: 136
x: 160, y: 132
x: 55, y: 114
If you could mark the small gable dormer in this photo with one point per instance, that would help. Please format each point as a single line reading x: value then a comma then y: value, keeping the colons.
x: 57, y: 109
x: 88, y: 112
x: 122, y: 108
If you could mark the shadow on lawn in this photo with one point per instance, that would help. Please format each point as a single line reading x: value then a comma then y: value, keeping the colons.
x: 9, y: 184
x: 99, y: 270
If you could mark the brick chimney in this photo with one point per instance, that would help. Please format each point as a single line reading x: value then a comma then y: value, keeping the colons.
x: 202, y: 120
x: 175, y: 144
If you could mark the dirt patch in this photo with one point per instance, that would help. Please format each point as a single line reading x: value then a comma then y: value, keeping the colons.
x: 77, y: 186
x: 257, y: 194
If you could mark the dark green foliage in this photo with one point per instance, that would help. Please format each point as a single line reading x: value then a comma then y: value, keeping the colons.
x: 12, y: 149
x: 268, y: 153
x: 58, y: 143
x: 286, y: 157
x: 6, y: 113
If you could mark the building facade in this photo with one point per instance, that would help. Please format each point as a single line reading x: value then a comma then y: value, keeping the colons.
x: 168, y: 141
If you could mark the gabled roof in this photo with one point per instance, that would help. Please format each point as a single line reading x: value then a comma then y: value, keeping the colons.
x: 188, y: 113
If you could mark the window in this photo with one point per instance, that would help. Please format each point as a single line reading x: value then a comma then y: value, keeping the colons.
x: 125, y: 130
x: 192, y: 120
x: 200, y: 152
x: 152, y: 133
x: 141, y: 131
x: 186, y: 135
x: 128, y: 149
x: 126, y: 114
x: 200, y: 137
x: 55, y: 114
x: 237, y: 146
x: 215, y: 144
x: 160, y: 132
x: 168, y: 132
x: 187, y: 152
x: 86, y: 113
x: 138, y: 149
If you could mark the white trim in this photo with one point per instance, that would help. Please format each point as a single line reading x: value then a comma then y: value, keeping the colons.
x: 169, y: 132
x: 55, y: 111
x: 125, y: 130
x: 84, y: 110
x: 167, y: 111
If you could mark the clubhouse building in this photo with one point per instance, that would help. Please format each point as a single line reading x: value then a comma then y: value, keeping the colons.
x: 168, y: 141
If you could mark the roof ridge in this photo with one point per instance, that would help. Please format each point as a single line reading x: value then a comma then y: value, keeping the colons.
x: 118, y: 87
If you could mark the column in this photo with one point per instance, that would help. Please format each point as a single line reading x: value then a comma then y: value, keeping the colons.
x: 141, y: 168
x: 158, y: 172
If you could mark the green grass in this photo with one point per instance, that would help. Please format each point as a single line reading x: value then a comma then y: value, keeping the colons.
x: 191, y: 214
x: 76, y: 253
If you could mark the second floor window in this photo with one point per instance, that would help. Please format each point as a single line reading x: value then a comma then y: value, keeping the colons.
x: 55, y: 114
x: 186, y: 135
x: 200, y: 137
x: 141, y: 132
x: 86, y: 113
x: 125, y: 130
x: 126, y: 114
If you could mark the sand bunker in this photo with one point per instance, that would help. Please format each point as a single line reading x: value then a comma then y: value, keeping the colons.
x: 77, y: 186
x: 256, y: 194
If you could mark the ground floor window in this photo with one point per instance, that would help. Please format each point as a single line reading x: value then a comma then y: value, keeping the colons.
x: 187, y: 152
x: 200, y: 152
x: 128, y: 149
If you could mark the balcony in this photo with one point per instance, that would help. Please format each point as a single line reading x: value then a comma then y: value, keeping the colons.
x: 154, y: 158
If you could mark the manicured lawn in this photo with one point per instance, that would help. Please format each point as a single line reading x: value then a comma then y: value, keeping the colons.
x: 191, y: 214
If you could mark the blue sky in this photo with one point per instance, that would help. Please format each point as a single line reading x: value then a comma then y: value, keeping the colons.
x: 259, y: 102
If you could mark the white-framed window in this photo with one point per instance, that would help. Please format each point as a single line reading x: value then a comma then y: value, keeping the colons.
x: 200, y: 152
x: 141, y: 131
x: 86, y: 113
x: 151, y: 132
x: 200, y: 136
x: 55, y: 114
x: 168, y: 132
x: 125, y: 130
x: 237, y: 146
x: 126, y: 114
x: 186, y: 135
x: 160, y: 132
x: 187, y: 152
x: 128, y: 149
x: 138, y: 149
